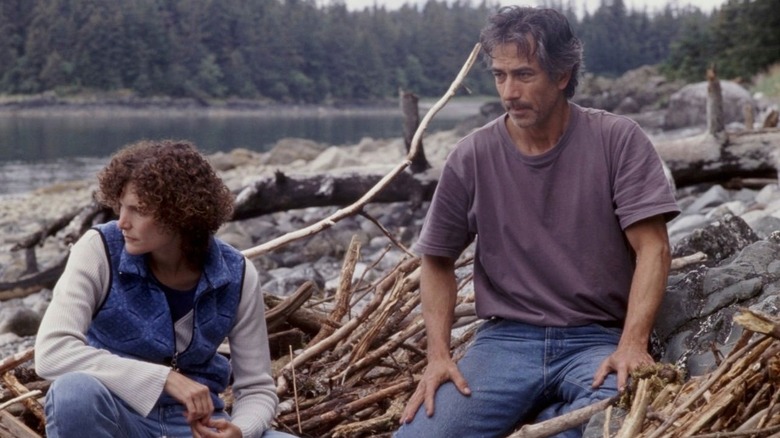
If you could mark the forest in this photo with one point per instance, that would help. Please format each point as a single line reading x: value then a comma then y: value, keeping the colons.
x: 299, y: 51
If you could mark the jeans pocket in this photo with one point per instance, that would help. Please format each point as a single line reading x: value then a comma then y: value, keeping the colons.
x: 613, y: 331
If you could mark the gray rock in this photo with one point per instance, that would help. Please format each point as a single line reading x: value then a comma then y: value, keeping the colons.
x: 289, y: 150
x: 682, y: 226
x: 20, y: 320
x: 767, y: 194
x: 687, y: 107
x: 681, y: 303
x: 284, y: 281
x: 764, y: 226
x: 713, y: 197
x: 718, y: 240
x: 628, y: 105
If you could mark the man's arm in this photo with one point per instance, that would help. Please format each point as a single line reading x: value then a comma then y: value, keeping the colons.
x: 650, y: 242
x: 439, y: 292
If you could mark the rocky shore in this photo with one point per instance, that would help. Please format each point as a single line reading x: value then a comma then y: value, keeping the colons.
x: 317, y: 258
x: 732, y: 231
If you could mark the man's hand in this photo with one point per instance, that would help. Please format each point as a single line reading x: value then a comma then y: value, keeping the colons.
x: 622, y: 361
x: 650, y: 242
x: 215, y: 428
x: 193, y: 395
x: 436, y: 373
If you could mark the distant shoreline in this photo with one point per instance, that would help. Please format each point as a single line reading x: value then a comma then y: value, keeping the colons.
x: 43, y: 106
x: 48, y: 105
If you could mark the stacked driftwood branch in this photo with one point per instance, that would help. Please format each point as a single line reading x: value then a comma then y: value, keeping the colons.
x: 741, y: 398
x: 15, y: 380
x: 355, y: 375
x: 350, y: 379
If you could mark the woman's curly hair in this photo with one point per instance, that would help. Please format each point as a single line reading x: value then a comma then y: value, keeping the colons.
x: 176, y: 185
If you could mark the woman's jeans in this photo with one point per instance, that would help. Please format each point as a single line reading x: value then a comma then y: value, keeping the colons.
x: 519, y: 373
x: 78, y: 405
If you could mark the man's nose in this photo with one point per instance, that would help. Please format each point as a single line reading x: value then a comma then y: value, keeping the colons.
x: 511, y: 89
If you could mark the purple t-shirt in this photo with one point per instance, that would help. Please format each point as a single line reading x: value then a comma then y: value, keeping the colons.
x: 550, y: 247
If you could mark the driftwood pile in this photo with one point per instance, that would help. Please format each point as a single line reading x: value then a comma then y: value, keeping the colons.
x: 354, y: 376
x: 350, y: 379
x: 741, y: 398
x: 360, y: 365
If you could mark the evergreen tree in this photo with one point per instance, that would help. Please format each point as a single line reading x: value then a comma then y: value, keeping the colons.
x: 297, y: 51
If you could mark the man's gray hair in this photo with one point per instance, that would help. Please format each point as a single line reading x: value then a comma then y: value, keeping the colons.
x: 545, y: 33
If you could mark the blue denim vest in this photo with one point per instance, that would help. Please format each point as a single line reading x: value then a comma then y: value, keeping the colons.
x: 134, y: 320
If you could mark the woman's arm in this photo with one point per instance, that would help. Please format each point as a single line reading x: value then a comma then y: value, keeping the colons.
x: 61, y: 343
x: 253, y: 385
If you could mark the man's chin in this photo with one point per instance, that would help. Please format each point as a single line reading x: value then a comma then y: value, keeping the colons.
x: 521, y: 121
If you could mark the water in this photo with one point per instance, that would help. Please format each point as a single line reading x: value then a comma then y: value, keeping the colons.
x: 42, y: 149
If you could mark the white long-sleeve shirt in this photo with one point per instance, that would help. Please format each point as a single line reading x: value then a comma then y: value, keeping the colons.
x: 61, y: 344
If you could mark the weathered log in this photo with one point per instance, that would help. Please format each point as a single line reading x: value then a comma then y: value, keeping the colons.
x: 563, y: 422
x: 771, y: 119
x: 411, y: 112
x: 18, y: 389
x: 681, y: 262
x: 12, y: 427
x: 343, y: 291
x: 46, y: 231
x: 750, y: 117
x: 21, y: 398
x: 706, y: 158
x: 279, y: 313
x: 289, y: 192
x: 715, y: 125
x: 636, y: 416
x: 15, y: 360
x: 345, y: 410
x: 33, y: 283
x: 309, y: 321
x: 758, y: 322
x: 80, y: 219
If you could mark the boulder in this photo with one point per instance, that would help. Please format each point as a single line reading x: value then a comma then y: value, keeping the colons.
x: 718, y: 240
x: 638, y: 90
x: 289, y: 150
x: 688, y: 107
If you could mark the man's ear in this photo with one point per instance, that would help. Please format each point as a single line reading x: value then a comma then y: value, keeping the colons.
x: 563, y: 81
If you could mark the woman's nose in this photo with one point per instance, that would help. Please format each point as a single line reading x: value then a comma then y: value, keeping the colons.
x: 123, y: 223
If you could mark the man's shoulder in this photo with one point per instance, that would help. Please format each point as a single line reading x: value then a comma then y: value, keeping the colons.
x: 600, y: 118
x: 489, y: 133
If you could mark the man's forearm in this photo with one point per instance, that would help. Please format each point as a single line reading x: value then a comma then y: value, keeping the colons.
x: 438, y: 294
x: 648, y: 285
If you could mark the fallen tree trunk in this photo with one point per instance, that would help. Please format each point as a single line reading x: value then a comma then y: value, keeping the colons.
x: 708, y: 159
x: 410, y: 110
x: 284, y: 192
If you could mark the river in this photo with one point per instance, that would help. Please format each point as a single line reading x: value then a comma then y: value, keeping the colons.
x: 44, y: 148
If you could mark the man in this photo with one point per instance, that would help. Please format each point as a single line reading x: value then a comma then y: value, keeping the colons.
x: 569, y: 208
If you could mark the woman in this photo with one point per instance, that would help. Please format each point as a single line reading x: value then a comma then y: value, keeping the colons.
x: 131, y: 335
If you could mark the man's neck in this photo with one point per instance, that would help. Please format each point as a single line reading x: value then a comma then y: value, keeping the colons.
x: 540, y: 139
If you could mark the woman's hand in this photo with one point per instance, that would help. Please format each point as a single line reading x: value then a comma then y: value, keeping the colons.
x: 216, y: 428
x: 194, y: 396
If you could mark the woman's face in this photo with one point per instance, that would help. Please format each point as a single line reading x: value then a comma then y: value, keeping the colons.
x: 141, y: 231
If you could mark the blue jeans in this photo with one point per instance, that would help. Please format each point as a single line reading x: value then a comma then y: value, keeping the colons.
x: 78, y: 405
x: 519, y: 373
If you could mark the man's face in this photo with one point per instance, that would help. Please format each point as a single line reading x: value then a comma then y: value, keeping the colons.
x: 528, y: 93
